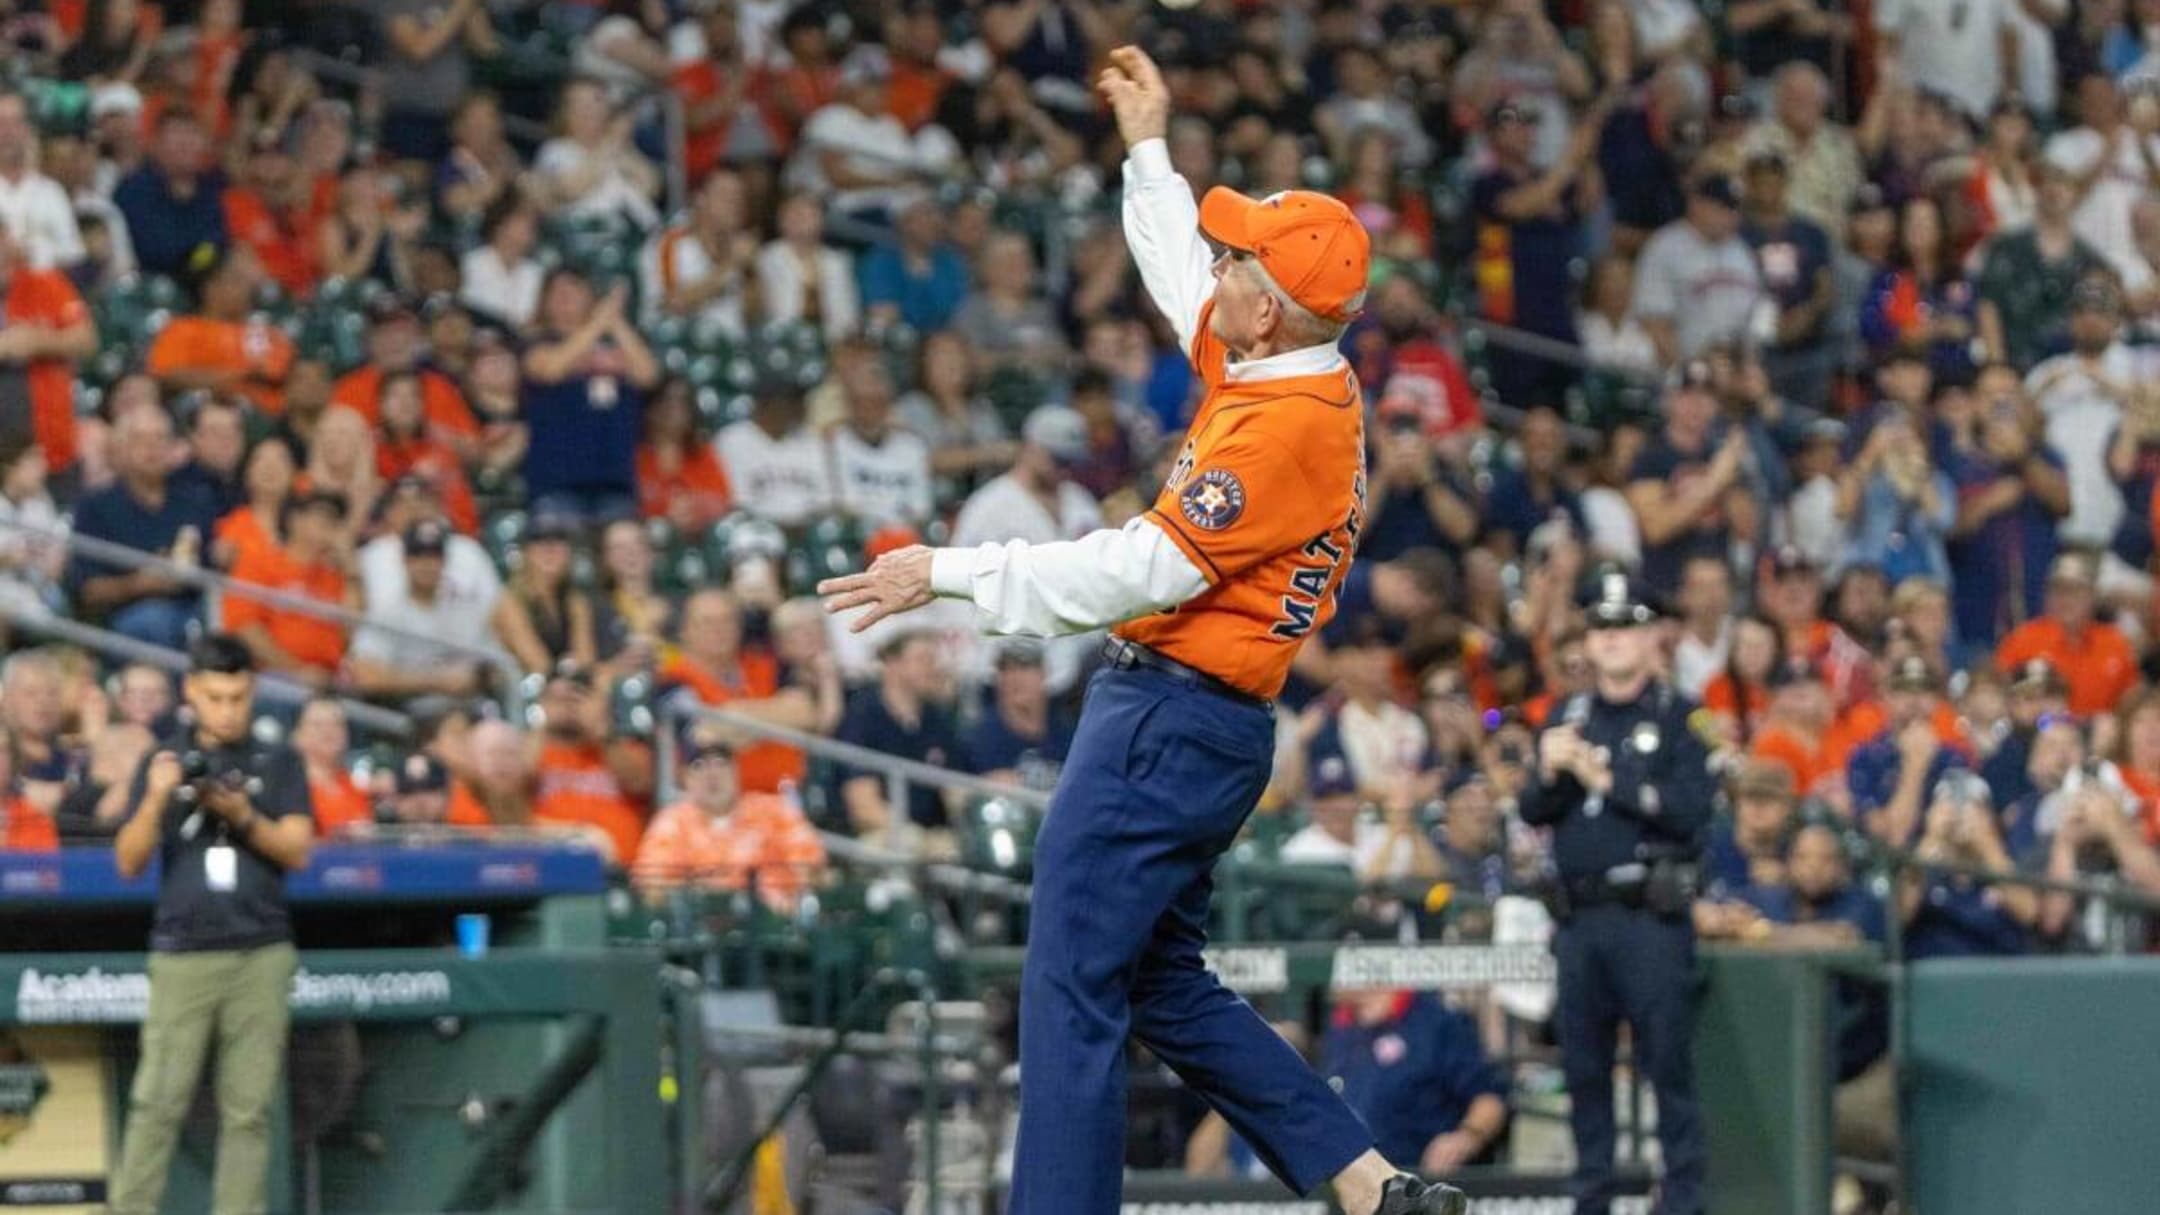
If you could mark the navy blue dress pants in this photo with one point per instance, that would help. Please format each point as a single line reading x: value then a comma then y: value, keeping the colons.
x: 1626, y: 964
x: 1161, y: 776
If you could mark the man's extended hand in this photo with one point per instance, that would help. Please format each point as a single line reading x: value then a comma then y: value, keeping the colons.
x: 1137, y: 95
x: 897, y: 582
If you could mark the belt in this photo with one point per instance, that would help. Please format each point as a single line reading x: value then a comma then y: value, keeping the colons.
x: 1123, y: 655
x: 1621, y: 884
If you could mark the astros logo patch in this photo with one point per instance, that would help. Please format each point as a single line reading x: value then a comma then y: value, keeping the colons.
x: 1213, y: 500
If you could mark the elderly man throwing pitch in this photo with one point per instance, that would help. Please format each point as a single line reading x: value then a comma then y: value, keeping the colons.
x: 1216, y: 586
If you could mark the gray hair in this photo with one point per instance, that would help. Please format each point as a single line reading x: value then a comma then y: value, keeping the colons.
x: 23, y: 662
x: 1301, y: 325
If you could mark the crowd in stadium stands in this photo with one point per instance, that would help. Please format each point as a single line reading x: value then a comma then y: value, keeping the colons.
x: 571, y: 342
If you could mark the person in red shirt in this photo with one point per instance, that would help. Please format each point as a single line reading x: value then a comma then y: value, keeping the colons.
x: 587, y: 779
x: 2092, y: 654
x: 678, y: 474
x: 301, y: 646
x: 407, y: 444
x: 713, y: 664
x: 272, y: 211
x: 723, y: 97
x: 48, y: 331
x: 718, y: 838
x: 322, y: 738
x: 394, y: 346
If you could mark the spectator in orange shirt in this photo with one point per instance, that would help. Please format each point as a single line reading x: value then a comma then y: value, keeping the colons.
x: 272, y: 211
x: 2092, y: 654
x: 499, y: 786
x: 1797, y: 725
x: 717, y: 838
x: 23, y: 826
x: 679, y: 477
x: 587, y: 779
x: 407, y: 445
x: 266, y: 476
x: 220, y: 348
x: 713, y: 664
x: 322, y: 738
x: 393, y: 346
x: 916, y: 37
x: 312, y: 564
x: 2137, y: 759
x: 48, y: 331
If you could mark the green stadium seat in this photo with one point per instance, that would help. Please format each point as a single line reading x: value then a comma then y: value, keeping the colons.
x: 502, y: 535
x: 740, y: 535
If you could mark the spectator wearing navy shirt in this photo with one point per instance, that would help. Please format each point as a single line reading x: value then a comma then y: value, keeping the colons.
x: 1473, y: 851
x: 1529, y: 237
x: 1890, y: 775
x: 1415, y: 1071
x: 1747, y: 851
x: 1021, y: 737
x: 1533, y: 492
x: 144, y: 509
x: 1794, y: 255
x: 903, y: 714
x: 1420, y: 497
x: 1642, y: 150
x: 174, y: 203
x: 1953, y: 914
x: 1820, y: 905
x: 2038, y: 697
x: 1685, y: 486
x: 586, y: 379
x: 2013, y: 489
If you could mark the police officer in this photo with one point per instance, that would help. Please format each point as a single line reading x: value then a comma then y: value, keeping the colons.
x: 226, y: 817
x: 1625, y: 784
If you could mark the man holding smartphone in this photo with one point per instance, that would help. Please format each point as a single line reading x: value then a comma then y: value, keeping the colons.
x: 226, y: 817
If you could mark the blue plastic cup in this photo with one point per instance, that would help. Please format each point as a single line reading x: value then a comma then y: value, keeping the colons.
x: 472, y: 935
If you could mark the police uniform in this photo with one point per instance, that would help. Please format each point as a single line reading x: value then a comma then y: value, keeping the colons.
x: 1626, y: 862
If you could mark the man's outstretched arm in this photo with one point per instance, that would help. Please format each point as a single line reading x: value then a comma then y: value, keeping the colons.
x: 1042, y: 590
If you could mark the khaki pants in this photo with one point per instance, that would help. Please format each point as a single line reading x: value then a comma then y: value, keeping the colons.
x: 238, y: 999
x: 1866, y: 1112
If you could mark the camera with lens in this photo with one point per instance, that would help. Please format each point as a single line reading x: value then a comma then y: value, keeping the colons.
x: 201, y: 772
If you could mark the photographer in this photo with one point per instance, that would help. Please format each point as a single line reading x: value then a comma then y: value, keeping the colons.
x: 1953, y: 912
x: 225, y: 817
x: 2098, y: 838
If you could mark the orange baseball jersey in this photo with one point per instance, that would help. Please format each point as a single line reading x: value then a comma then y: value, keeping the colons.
x: 1267, y: 499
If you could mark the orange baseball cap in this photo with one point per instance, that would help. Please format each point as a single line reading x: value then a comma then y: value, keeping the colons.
x: 1309, y: 243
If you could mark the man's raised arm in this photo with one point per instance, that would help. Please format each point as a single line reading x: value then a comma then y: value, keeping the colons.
x: 1162, y: 221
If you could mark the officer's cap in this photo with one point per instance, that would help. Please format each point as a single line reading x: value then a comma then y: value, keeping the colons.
x: 1913, y: 674
x: 1613, y: 600
x: 2038, y: 675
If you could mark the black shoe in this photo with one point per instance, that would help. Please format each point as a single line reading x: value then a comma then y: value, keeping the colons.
x: 1406, y: 1195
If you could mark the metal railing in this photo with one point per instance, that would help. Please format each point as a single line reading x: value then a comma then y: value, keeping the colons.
x: 901, y: 776
x: 122, y: 648
x: 201, y: 579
